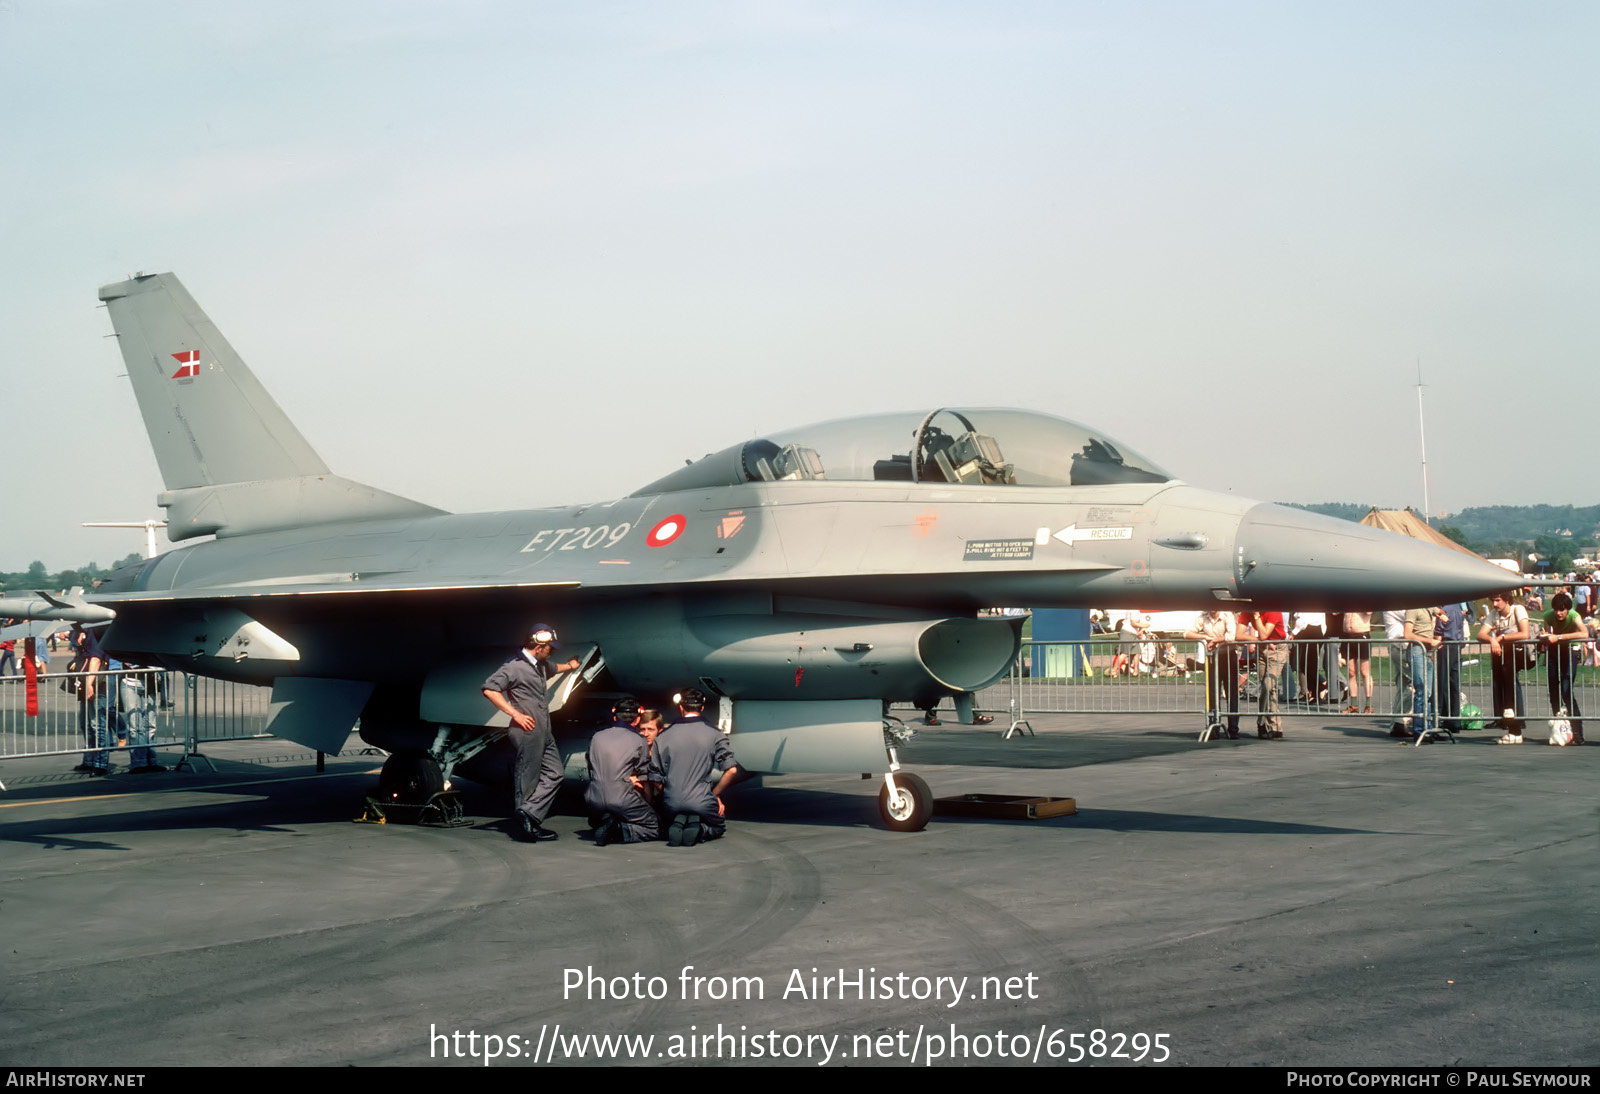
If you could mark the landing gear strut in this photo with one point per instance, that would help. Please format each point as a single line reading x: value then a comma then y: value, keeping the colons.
x: 905, y: 803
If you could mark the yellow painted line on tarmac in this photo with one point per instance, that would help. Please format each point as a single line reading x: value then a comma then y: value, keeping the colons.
x: 183, y: 789
x: 60, y: 801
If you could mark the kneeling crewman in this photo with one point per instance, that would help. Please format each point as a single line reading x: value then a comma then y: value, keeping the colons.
x: 619, y: 761
x: 684, y: 760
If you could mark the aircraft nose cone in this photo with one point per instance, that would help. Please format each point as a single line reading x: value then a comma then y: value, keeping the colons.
x: 1294, y: 559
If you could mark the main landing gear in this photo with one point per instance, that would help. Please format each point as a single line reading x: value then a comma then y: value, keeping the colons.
x: 410, y: 777
x: 414, y: 785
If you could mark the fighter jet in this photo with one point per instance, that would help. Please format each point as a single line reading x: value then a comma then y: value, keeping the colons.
x: 807, y: 579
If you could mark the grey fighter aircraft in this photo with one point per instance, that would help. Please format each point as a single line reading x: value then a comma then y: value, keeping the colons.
x: 807, y: 578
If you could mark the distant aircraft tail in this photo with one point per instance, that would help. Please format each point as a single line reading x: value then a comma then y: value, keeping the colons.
x: 232, y: 461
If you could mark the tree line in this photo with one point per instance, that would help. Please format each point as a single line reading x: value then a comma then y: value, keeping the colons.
x: 1507, y: 531
x: 37, y: 577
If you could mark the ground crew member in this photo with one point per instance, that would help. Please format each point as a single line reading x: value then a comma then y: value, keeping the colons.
x: 651, y: 723
x: 684, y: 760
x: 517, y: 688
x: 619, y: 763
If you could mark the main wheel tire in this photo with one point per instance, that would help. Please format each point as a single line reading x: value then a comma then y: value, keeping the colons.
x: 912, y: 806
x: 410, y: 778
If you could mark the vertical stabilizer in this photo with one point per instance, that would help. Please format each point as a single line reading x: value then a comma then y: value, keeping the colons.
x: 231, y: 459
x: 210, y: 420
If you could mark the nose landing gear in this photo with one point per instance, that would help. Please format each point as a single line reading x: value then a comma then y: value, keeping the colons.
x: 905, y: 802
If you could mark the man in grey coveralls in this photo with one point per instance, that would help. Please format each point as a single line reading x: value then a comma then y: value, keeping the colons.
x: 619, y: 762
x: 684, y: 759
x: 517, y: 688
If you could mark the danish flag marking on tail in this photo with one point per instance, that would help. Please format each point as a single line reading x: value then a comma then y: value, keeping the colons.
x: 188, y: 364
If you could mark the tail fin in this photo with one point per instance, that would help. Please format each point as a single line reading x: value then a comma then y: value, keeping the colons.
x: 231, y: 459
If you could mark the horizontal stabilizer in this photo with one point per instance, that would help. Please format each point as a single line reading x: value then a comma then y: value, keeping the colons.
x: 29, y: 628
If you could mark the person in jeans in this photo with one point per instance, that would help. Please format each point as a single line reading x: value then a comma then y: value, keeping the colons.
x: 1450, y: 624
x: 1421, y: 640
x: 1506, y: 631
x: 1216, y: 629
x: 1274, y: 639
x: 1563, y: 634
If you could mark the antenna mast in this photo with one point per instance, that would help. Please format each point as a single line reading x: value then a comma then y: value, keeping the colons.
x: 1422, y: 434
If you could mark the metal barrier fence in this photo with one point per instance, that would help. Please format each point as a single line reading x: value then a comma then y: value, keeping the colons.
x: 1110, y: 676
x: 1096, y: 676
x: 180, y: 710
x: 1314, y: 679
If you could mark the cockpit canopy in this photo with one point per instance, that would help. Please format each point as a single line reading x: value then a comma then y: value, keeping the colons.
x: 981, y: 446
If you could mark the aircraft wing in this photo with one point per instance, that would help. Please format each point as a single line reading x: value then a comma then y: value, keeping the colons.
x: 931, y: 589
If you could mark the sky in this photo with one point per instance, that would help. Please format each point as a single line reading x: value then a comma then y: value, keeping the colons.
x: 496, y: 255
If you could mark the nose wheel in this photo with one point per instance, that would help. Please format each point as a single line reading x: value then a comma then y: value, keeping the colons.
x: 905, y: 802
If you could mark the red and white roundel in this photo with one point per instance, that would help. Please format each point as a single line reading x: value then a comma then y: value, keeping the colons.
x: 667, y: 531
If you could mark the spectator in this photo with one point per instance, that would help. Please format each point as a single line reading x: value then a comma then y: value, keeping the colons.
x: 1451, y: 626
x: 1215, y: 629
x: 1506, y: 631
x: 1563, y: 630
x: 1356, y: 650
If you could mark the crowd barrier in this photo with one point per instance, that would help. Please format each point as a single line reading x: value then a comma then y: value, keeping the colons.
x: 184, y: 711
x: 1313, y: 679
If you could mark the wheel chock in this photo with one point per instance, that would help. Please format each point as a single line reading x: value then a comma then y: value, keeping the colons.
x: 443, y: 810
